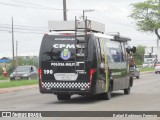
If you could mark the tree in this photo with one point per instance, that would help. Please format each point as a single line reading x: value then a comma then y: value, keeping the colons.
x: 139, y: 55
x: 147, y: 16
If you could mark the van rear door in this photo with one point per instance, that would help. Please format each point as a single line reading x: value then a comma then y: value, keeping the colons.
x: 57, y: 55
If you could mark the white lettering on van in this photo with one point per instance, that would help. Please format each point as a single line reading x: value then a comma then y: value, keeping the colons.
x: 57, y: 64
x: 63, y: 64
x: 48, y: 72
x: 64, y: 46
x: 55, y: 45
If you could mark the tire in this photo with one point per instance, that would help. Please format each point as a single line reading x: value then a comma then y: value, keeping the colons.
x: 137, y: 77
x: 63, y: 97
x: 107, y: 95
x: 29, y: 78
x: 127, y: 90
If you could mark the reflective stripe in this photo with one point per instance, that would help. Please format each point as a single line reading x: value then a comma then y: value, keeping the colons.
x: 79, y: 85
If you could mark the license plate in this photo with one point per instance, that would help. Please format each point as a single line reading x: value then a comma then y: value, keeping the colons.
x: 66, y: 76
x: 17, y: 78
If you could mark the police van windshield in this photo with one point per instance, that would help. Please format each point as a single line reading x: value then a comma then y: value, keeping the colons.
x: 58, y: 48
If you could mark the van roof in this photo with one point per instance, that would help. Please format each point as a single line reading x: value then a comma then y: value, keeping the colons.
x: 73, y: 32
x: 112, y: 37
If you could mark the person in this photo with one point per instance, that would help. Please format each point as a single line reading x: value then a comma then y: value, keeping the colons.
x: 4, y: 71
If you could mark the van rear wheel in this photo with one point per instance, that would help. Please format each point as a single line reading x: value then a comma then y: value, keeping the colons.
x: 63, y: 97
x: 107, y: 95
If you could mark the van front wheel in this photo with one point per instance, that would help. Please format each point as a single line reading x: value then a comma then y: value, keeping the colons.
x: 63, y: 97
x: 127, y: 90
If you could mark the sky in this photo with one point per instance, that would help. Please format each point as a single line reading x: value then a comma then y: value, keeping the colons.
x: 30, y: 20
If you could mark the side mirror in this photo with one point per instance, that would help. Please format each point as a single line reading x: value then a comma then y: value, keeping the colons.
x: 136, y: 66
x: 133, y: 49
x: 128, y: 50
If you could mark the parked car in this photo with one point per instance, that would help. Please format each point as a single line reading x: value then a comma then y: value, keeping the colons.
x: 157, y: 67
x: 24, y: 72
x: 136, y: 72
x: 147, y: 64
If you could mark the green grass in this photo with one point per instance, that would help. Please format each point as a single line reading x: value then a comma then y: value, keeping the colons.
x: 3, y: 78
x: 18, y: 83
x: 147, y: 69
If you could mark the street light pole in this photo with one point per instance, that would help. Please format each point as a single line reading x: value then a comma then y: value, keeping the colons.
x: 89, y: 10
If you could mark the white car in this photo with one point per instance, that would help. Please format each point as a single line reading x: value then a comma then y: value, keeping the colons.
x: 137, y: 72
x: 147, y: 64
x: 157, y: 69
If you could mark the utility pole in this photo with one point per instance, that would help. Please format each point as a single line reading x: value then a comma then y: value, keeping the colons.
x: 64, y: 10
x: 16, y: 51
x: 89, y: 10
x: 16, y: 58
x: 12, y: 40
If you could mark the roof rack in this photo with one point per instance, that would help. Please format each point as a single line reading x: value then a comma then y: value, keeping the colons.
x: 70, y: 26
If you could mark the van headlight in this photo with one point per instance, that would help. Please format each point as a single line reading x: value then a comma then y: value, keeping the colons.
x: 25, y: 75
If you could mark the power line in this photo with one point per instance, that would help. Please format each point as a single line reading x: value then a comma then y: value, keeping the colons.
x: 23, y: 29
x: 30, y: 29
x: 15, y: 5
x: 24, y: 26
x: 34, y: 7
x: 30, y: 3
x: 23, y: 32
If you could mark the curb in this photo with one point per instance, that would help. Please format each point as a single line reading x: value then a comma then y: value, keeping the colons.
x: 14, y: 89
x: 147, y: 72
x: 2, y: 81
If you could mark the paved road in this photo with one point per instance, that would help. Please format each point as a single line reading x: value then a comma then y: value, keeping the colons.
x: 145, y: 96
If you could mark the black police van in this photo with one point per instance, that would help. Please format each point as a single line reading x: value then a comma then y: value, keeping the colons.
x: 84, y: 61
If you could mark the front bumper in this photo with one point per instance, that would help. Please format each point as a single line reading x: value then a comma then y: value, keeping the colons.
x: 19, y: 78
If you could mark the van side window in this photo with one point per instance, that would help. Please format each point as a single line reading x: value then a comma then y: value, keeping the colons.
x: 118, y: 55
x: 124, y: 53
x: 107, y: 45
x: 115, y: 50
x: 102, y: 49
x: 98, y: 49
